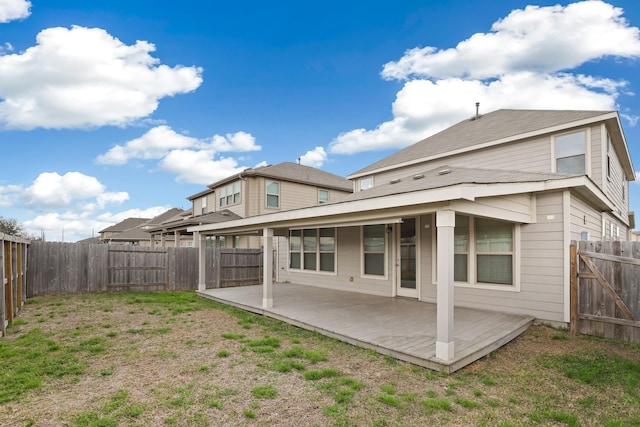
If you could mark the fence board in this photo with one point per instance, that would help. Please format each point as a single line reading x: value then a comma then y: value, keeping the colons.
x: 68, y: 268
x: 608, y: 290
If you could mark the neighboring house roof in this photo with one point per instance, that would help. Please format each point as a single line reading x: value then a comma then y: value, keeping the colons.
x: 91, y: 240
x: 293, y: 172
x: 185, y: 221
x: 492, y: 128
x: 125, y: 225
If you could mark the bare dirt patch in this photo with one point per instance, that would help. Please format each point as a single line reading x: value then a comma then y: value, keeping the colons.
x: 173, y: 359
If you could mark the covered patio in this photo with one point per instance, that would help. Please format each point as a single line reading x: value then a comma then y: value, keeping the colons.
x: 402, y: 328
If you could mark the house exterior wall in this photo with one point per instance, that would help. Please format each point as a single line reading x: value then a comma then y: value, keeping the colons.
x: 532, y: 155
x: 541, y: 248
x: 348, y: 274
x: 585, y: 218
x: 293, y: 195
x: 536, y: 155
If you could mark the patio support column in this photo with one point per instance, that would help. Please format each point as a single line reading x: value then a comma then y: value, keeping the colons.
x: 163, y: 240
x: 202, y: 256
x: 176, y: 237
x: 267, y: 265
x: 445, y: 224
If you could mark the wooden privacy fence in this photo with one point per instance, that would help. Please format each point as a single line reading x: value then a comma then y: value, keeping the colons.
x: 605, y: 289
x: 72, y: 268
x: 13, y: 258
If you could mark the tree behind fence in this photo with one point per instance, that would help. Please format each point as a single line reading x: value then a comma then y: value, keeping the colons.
x: 72, y: 268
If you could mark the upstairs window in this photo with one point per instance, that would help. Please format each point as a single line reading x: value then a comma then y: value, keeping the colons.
x: 366, y: 183
x: 203, y: 205
x: 230, y: 194
x: 570, y: 153
x: 273, y: 194
x: 323, y: 196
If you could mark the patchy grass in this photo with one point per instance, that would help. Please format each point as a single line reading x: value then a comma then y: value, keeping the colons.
x: 173, y: 359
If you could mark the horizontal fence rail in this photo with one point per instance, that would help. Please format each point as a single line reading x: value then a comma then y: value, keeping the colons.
x: 73, y: 268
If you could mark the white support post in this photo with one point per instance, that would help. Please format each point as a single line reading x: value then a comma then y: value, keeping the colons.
x: 176, y: 238
x: 267, y: 265
x: 202, y: 256
x: 445, y: 224
x: 163, y: 240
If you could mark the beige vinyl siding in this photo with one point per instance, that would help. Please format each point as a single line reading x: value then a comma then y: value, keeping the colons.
x: 533, y: 155
x: 613, y: 186
x: 610, y: 220
x: 598, y: 162
x: 500, y: 207
x: 584, y: 218
x: 348, y: 259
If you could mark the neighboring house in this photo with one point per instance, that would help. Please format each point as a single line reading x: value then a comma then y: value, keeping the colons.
x: 273, y: 188
x: 136, y: 231
x: 487, y: 207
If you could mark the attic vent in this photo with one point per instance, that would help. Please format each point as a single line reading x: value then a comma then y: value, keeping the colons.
x: 444, y: 171
x: 418, y: 176
x: 395, y: 181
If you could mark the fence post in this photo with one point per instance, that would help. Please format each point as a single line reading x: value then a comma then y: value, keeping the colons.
x: 573, y: 290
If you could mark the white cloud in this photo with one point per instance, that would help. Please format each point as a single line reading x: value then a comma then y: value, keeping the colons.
x: 239, y: 141
x: 541, y: 39
x: 154, y: 144
x: 314, y: 158
x: 192, y: 160
x: 517, y: 65
x: 14, y: 9
x: 199, y: 167
x: 52, y: 189
x: 84, y: 77
x: 74, y: 225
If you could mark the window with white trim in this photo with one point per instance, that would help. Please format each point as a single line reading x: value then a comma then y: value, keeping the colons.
x: 323, y: 196
x: 366, y: 183
x: 230, y: 194
x: 313, y: 249
x: 373, y: 249
x: 273, y: 194
x: 570, y: 153
x: 203, y: 205
x: 461, y: 249
x: 483, y: 251
x: 494, y: 251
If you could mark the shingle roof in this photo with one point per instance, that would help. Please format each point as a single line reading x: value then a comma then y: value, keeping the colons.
x: 294, y: 172
x: 125, y: 225
x: 210, y: 218
x: 489, y: 127
x: 446, y: 176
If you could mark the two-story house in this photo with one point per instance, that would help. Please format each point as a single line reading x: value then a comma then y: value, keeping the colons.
x: 256, y: 191
x: 480, y: 215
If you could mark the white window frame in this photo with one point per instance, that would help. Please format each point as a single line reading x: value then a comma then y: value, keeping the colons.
x: 230, y: 194
x: 365, y: 183
x: 267, y: 194
x: 321, y: 191
x: 587, y: 150
x: 472, y: 273
x: 318, y: 252
x: 203, y: 205
x: 385, y: 255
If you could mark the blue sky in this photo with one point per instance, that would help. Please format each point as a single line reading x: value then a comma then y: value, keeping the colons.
x: 116, y: 109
